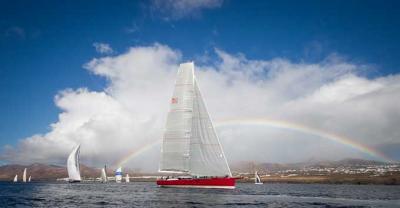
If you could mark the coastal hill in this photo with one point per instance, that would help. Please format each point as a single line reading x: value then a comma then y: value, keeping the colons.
x: 251, y: 166
x: 42, y: 172
x: 353, y: 171
x: 347, y: 171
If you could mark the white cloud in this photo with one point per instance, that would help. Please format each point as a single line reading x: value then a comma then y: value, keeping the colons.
x: 177, y: 9
x: 103, y: 48
x: 131, y: 111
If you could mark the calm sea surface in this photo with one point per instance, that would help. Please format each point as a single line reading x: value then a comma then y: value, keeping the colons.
x: 143, y: 194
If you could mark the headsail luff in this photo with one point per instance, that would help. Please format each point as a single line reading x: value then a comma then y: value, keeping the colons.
x: 73, y: 165
x: 190, y: 142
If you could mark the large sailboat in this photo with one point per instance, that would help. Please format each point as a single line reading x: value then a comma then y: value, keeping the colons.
x: 74, y: 174
x: 191, y: 147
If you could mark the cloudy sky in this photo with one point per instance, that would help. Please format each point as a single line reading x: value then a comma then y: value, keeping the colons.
x: 102, y: 75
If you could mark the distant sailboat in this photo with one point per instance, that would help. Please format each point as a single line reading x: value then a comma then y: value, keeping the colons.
x: 15, y: 178
x: 257, y: 179
x: 118, y: 175
x: 190, y: 144
x: 103, y: 176
x: 29, y: 180
x: 73, y: 165
x: 127, y: 178
x: 24, y: 176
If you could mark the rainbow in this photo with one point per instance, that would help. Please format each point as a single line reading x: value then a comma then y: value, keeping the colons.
x: 137, y: 151
x: 275, y: 124
x: 307, y: 130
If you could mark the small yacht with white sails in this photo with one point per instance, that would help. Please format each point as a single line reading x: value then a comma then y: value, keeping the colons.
x: 74, y: 174
x: 257, y: 179
x: 24, y: 176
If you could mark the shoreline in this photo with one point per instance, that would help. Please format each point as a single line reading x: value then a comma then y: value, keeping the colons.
x: 356, y: 180
x: 360, y: 180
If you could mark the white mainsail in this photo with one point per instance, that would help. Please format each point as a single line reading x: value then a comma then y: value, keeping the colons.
x: 190, y: 143
x: 127, y: 178
x: 257, y: 179
x: 15, y: 178
x: 118, y: 175
x: 103, y: 176
x: 24, y: 176
x: 29, y: 180
x: 73, y: 165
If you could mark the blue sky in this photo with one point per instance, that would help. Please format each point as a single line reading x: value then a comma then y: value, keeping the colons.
x: 44, y: 44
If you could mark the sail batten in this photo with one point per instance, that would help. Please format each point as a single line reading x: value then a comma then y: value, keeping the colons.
x: 190, y: 143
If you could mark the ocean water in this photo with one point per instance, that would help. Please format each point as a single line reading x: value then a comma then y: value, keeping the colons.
x: 147, y: 194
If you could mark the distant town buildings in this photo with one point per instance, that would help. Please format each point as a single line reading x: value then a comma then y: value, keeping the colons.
x: 370, y: 170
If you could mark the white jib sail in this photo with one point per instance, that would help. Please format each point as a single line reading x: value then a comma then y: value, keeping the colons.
x: 29, y: 180
x: 127, y: 178
x: 190, y: 142
x: 24, y: 176
x: 103, y: 176
x: 73, y: 165
x: 16, y: 178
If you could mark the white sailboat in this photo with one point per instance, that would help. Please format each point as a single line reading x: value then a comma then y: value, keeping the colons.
x: 103, y: 176
x: 257, y: 179
x: 29, y: 179
x: 127, y: 178
x: 190, y: 144
x: 24, y: 176
x: 118, y: 175
x: 74, y: 174
x: 15, y: 178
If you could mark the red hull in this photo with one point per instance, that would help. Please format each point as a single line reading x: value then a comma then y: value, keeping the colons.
x: 226, y: 183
